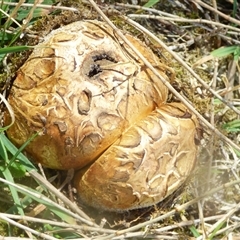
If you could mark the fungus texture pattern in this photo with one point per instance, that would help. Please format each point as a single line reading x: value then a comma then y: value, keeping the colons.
x: 100, y: 110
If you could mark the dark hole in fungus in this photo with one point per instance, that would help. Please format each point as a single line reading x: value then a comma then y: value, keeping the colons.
x: 102, y: 57
x: 94, y: 70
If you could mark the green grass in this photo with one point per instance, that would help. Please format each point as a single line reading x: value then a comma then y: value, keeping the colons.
x: 14, y: 20
x: 232, y: 126
x: 225, y: 51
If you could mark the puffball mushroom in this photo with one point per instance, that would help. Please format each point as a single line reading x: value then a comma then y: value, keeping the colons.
x: 98, y: 109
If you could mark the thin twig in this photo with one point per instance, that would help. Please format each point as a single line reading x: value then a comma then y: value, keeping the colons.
x: 224, y: 218
x: 227, y: 17
x: 10, y: 18
x: 14, y: 12
x: 57, y: 223
x: 21, y: 226
x: 9, y: 109
x: 44, y: 6
x: 181, y: 19
x: 61, y: 196
x: 187, y: 223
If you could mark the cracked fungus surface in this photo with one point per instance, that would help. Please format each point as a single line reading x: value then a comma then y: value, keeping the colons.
x: 100, y: 110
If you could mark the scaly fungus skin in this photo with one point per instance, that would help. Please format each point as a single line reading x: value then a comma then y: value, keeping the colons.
x: 96, y: 104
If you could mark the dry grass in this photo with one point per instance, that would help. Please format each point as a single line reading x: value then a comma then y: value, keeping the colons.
x: 208, y: 206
